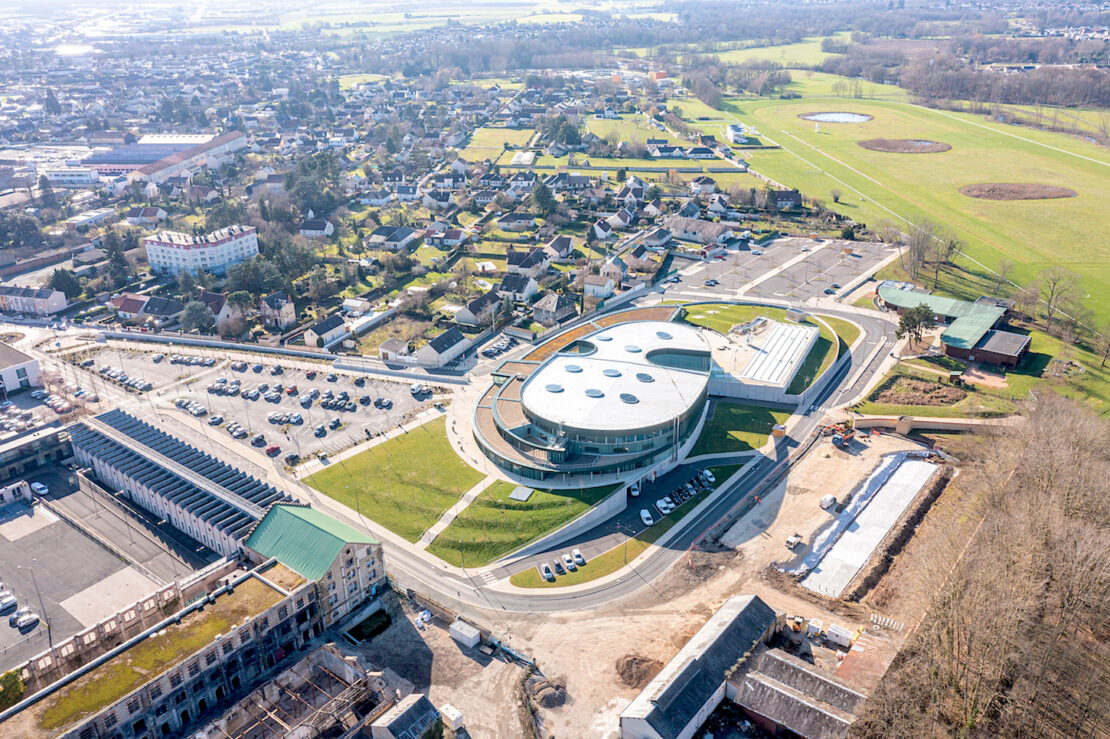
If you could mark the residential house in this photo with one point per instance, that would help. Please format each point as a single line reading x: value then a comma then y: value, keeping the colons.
x: 442, y: 349
x: 278, y: 310
x: 480, y: 311
x: 393, y: 350
x: 484, y: 197
x: 700, y: 152
x: 449, y: 180
x: 393, y: 238
x: 407, y: 193
x: 533, y: 262
x: 317, y: 228
x: 162, y: 310
x: 657, y: 237
x: 638, y: 257
x: 524, y: 181
x: 491, y: 179
x: 703, y: 185
x: 622, y: 219
x: 325, y: 331
x: 699, y: 231
x: 376, y: 197
x: 654, y: 208
x: 630, y: 195
x: 614, y: 267
x: 516, y: 222
x: 554, y: 308
x: 128, y: 306
x: 518, y: 287
x: 439, y: 199
x: 689, y: 209
x: 559, y: 249
x: 598, y: 286
x: 393, y: 177
x: 145, y: 216
x: 786, y: 199
x: 217, y: 303
x: 444, y: 237
x: 602, y: 230
x: 718, y: 205
x: 203, y: 194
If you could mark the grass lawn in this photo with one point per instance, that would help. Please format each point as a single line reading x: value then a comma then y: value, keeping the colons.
x: 347, y: 81
x: 1034, y: 234
x: 619, y: 556
x: 978, y: 403
x: 735, y: 427
x: 488, y: 142
x: 122, y: 674
x: 493, y: 525
x: 630, y: 128
x: 404, y: 484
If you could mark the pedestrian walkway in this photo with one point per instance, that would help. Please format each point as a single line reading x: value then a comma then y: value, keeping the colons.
x: 451, y: 513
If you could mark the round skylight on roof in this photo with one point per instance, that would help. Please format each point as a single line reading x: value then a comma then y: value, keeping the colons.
x: 603, y: 337
x: 629, y: 398
x: 593, y: 392
x: 553, y: 388
x: 573, y: 368
x: 663, y: 335
x: 644, y: 377
x: 633, y: 349
x: 611, y: 372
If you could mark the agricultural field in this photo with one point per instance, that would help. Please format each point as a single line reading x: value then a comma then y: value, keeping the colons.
x: 879, y: 185
x: 802, y: 54
x: 404, y: 496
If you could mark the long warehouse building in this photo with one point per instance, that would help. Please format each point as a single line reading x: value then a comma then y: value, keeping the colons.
x: 205, y: 497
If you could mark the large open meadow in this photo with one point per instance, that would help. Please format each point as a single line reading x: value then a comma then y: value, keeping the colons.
x: 878, y: 185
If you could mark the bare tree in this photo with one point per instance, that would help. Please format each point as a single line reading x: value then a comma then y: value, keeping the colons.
x: 1002, y: 274
x: 1056, y: 284
x: 920, y: 241
x: 835, y: 193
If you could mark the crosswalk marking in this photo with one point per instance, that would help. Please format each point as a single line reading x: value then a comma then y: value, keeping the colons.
x: 489, y: 578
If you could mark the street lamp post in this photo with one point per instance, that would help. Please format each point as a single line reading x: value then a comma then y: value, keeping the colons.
x: 42, y: 605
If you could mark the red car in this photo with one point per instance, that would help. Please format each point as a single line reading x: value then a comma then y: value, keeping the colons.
x: 291, y: 390
x: 311, y: 374
x: 273, y: 450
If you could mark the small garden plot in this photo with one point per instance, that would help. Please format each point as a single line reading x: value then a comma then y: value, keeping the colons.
x: 904, y: 390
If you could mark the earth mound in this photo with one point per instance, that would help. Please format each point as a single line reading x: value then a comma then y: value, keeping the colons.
x: 548, y: 692
x: 905, y: 146
x: 636, y: 670
x: 1016, y: 191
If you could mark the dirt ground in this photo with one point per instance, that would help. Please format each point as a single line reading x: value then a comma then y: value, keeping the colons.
x: 607, y: 654
x: 1016, y: 191
x: 910, y: 391
x: 905, y: 146
x: 983, y: 378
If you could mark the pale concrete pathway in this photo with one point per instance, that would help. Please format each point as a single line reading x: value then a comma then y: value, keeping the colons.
x: 451, y: 513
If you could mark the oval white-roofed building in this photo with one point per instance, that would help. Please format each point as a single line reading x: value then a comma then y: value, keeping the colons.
x: 633, y: 377
x: 618, y: 398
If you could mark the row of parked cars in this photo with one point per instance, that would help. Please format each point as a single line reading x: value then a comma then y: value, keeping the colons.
x: 14, y: 418
x: 57, y: 403
x: 120, y: 377
x: 562, y: 565
x: 678, y: 496
x: 504, y: 345
x: 24, y: 618
x: 192, y: 407
x: 185, y: 360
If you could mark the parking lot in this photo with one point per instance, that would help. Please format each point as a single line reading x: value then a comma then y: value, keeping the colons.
x: 314, y: 410
x: 822, y: 268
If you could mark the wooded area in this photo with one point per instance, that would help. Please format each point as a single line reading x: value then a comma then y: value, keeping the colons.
x: 1014, y: 641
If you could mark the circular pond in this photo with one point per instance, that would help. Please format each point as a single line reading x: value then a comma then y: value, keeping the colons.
x: 836, y: 117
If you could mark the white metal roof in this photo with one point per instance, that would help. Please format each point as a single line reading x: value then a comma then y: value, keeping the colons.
x: 617, y: 387
x: 779, y: 354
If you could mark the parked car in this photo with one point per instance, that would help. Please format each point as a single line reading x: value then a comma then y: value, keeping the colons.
x: 273, y: 450
x: 568, y: 562
x: 578, y: 558
x: 39, y: 489
x: 292, y: 459
x: 258, y: 440
x: 645, y: 517
x: 545, y: 571
x: 558, y: 567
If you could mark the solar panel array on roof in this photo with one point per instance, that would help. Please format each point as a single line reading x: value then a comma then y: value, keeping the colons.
x: 181, y: 493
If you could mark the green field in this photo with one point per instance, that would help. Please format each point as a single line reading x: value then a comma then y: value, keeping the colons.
x: 404, y: 484
x: 735, y: 427
x: 493, y: 525
x: 629, y: 129
x: 617, y: 557
x: 802, y: 54
x: 879, y: 186
x: 348, y: 81
x: 489, y: 141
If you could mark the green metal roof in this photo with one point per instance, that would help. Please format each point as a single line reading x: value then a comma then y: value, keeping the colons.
x: 970, y: 321
x: 303, y: 539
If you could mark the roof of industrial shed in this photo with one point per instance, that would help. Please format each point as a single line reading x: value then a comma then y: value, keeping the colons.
x: 231, y: 519
x: 303, y: 539
x: 690, y: 679
x: 969, y: 320
x: 1006, y: 343
x: 617, y: 385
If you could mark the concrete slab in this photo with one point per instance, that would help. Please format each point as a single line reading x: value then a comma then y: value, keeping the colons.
x: 19, y: 520
x: 108, y: 596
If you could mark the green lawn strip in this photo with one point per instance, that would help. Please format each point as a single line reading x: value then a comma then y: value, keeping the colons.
x: 493, y: 525
x: 404, y: 484
x: 125, y: 672
x: 735, y: 427
x: 977, y: 404
x: 617, y: 557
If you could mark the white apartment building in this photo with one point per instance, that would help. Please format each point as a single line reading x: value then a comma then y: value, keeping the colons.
x: 33, y: 301
x: 170, y: 252
x: 72, y: 176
